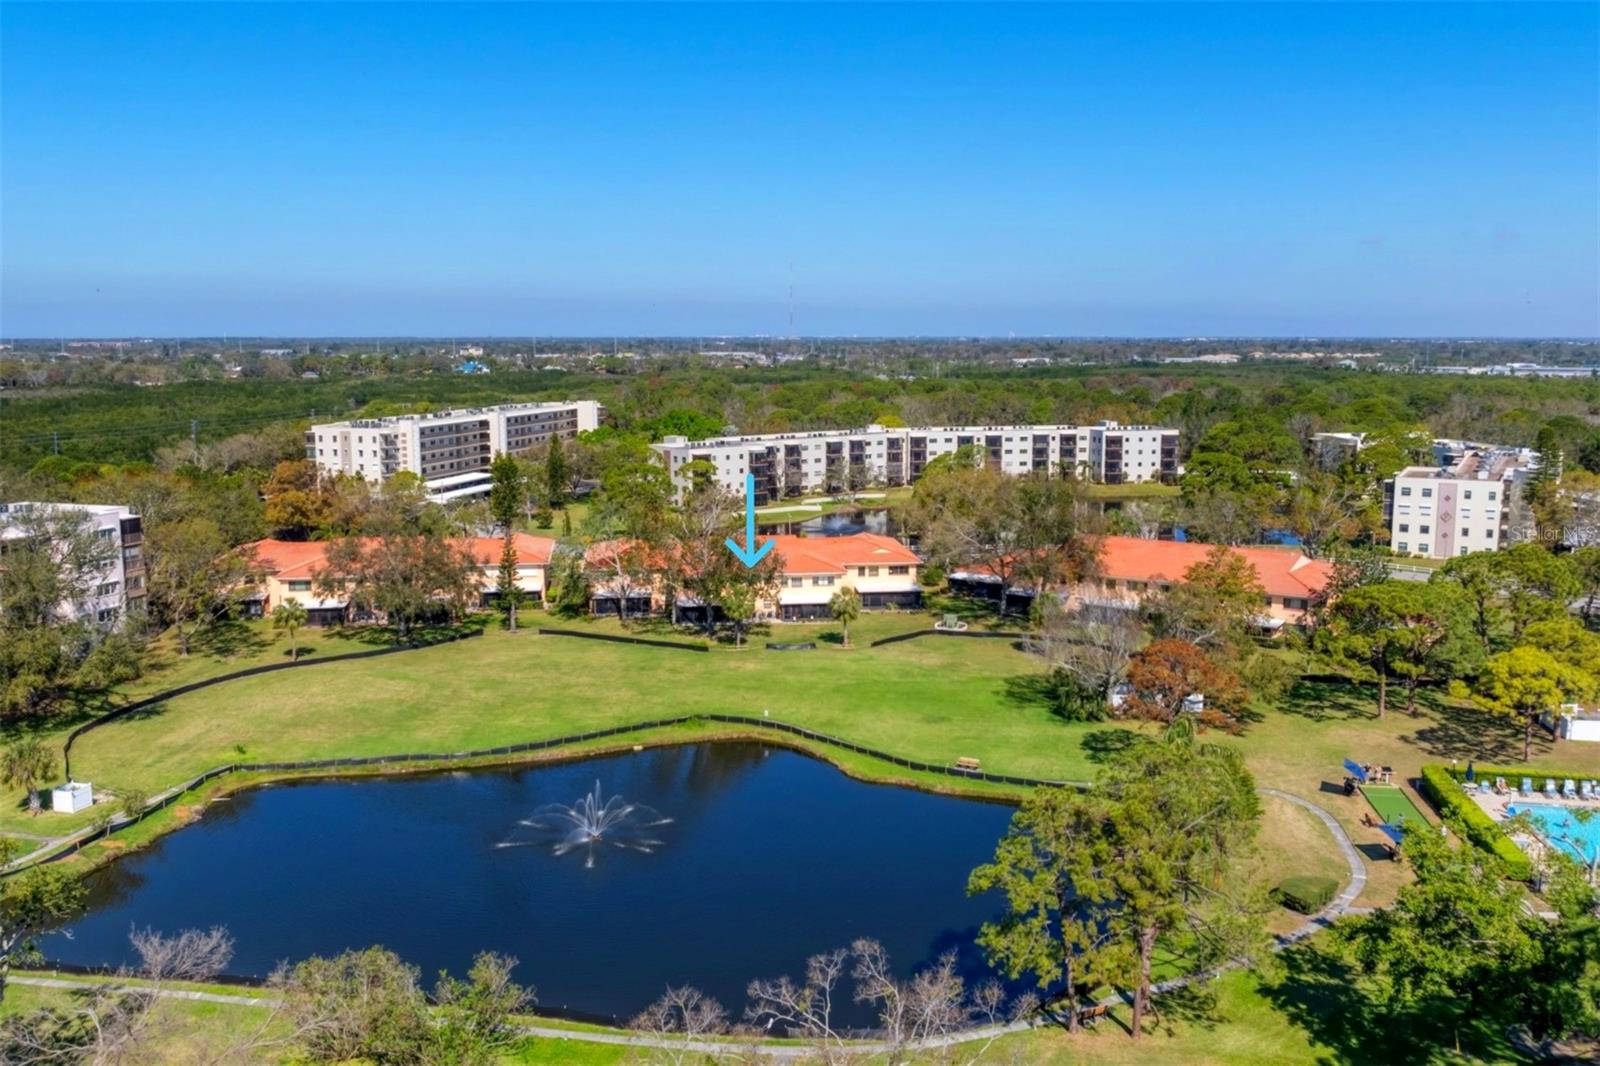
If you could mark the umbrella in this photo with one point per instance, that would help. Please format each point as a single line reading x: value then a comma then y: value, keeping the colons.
x: 1355, y: 770
x: 1470, y: 774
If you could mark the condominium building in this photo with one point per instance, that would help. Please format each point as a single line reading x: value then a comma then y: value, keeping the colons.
x: 1460, y: 506
x: 1130, y: 568
x: 1333, y: 449
x: 789, y: 464
x: 287, y: 570
x: 117, y: 589
x: 450, y: 450
x: 811, y: 569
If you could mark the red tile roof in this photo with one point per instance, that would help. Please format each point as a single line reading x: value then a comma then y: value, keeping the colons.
x: 1282, y: 571
x: 299, y: 558
x: 831, y: 555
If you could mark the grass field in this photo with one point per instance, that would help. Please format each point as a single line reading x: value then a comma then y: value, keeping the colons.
x: 1393, y: 805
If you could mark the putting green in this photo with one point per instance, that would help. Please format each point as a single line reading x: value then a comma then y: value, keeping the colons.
x: 1392, y: 804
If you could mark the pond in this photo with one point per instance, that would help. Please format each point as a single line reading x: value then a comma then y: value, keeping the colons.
x: 837, y: 524
x: 752, y: 859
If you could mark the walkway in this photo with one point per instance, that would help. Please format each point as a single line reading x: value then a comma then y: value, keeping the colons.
x: 1340, y: 905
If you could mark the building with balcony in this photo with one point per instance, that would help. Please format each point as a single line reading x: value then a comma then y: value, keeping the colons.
x: 286, y: 572
x: 117, y: 590
x: 785, y: 465
x: 881, y: 570
x: 450, y: 450
x: 1460, y: 506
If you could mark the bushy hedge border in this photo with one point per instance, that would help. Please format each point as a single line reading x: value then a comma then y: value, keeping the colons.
x: 1443, y: 789
x: 1306, y: 893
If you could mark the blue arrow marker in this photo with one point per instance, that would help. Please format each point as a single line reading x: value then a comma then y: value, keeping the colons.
x: 749, y: 555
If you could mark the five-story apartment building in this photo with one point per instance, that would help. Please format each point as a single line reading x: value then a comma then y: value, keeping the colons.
x: 450, y: 450
x: 789, y: 464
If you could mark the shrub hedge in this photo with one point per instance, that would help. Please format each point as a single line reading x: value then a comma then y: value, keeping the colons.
x: 1306, y: 893
x: 1443, y: 789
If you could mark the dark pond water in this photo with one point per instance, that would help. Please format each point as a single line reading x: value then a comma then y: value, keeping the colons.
x: 837, y: 524
x: 769, y: 857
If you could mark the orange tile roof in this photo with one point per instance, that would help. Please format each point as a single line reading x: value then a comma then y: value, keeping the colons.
x: 830, y: 555
x: 299, y: 558
x: 1282, y: 571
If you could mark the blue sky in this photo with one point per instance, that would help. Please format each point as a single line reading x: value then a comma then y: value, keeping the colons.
x: 1129, y: 169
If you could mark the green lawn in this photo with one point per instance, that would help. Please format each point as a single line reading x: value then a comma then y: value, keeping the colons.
x: 1393, y: 805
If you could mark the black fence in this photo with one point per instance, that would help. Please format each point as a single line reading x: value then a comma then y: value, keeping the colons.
x: 613, y: 639
x: 1004, y: 634
x: 236, y: 675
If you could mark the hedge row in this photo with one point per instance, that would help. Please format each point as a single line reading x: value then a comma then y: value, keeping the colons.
x: 1444, y: 789
x: 1306, y: 893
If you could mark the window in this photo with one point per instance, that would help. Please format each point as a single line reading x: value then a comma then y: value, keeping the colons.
x: 1405, y: 490
x: 1466, y: 494
x: 868, y: 571
x: 299, y: 586
x: 1465, y: 532
x: 109, y: 614
x: 106, y: 588
x: 1488, y: 534
x: 1423, y: 529
x: 1491, y: 494
x: 1402, y: 546
x: 1426, y: 493
x: 899, y: 570
x: 1405, y: 527
x: 822, y: 581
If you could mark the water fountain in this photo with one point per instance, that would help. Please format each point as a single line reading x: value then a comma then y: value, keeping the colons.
x: 591, y: 823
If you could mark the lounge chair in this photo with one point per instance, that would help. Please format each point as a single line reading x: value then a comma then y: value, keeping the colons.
x: 1527, y: 786
x: 1569, y: 790
x: 1483, y: 787
x: 1586, y: 790
x: 1550, y: 789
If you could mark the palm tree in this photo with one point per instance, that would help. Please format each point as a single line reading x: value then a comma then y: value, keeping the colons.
x: 23, y: 765
x: 288, y: 617
x: 846, y: 608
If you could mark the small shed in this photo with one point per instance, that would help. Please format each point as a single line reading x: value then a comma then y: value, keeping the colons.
x: 72, y: 797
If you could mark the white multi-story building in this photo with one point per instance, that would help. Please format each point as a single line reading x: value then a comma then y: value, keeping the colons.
x: 116, y: 588
x: 1462, y: 505
x: 788, y: 464
x: 450, y: 450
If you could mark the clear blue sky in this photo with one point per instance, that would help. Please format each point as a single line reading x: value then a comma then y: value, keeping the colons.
x: 1126, y: 169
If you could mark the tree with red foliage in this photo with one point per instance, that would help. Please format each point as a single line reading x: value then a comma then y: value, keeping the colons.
x: 1167, y: 671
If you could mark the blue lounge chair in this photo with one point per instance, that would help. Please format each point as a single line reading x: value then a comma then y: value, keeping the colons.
x: 1586, y: 790
x: 1550, y: 789
x: 1527, y: 786
x: 1484, y: 786
x: 1569, y: 790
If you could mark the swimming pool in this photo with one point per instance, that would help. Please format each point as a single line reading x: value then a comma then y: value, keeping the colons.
x: 1579, y: 839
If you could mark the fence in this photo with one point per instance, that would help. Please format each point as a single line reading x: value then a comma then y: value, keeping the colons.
x: 613, y: 639
x: 1005, y: 634
x: 253, y: 671
x: 504, y: 750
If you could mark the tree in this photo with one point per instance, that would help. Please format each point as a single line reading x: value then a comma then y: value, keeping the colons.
x: 628, y: 521
x: 1051, y: 867
x: 507, y: 490
x: 288, y: 617
x: 845, y: 606
x: 1373, y: 628
x: 31, y: 902
x: 1167, y: 672
x: 1525, y: 683
x: 1510, y: 589
x: 1456, y: 943
x: 1092, y: 644
x: 1323, y: 509
x: 1585, y: 563
x: 473, y: 1018
x: 193, y: 574
x: 556, y: 479
x: 684, y: 1015
x: 738, y: 604
x: 1178, y: 826
x: 1216, y: 605
x: 54, y: 561
x: 404, y: 577
x: 295, y: 503
x: 25, y: 764
x: 509, y: 592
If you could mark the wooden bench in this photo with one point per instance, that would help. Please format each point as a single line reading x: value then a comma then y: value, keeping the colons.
x: 967, y: 762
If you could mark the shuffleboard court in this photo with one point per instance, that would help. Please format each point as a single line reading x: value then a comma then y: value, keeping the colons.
x: 1393, y: 805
